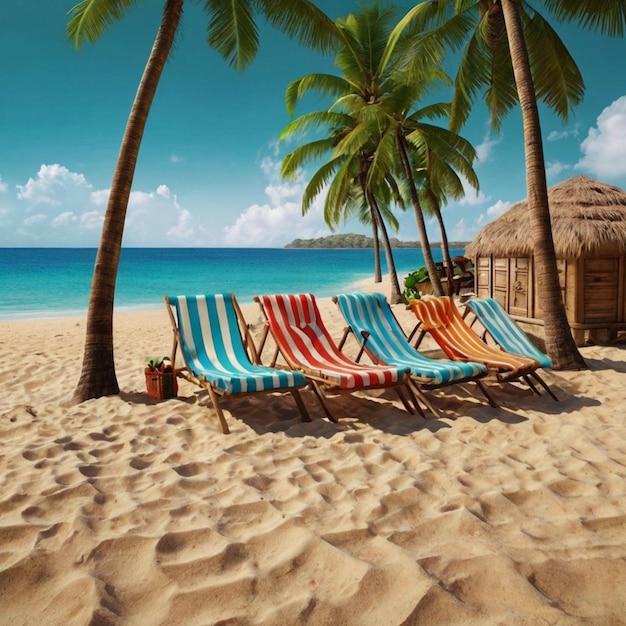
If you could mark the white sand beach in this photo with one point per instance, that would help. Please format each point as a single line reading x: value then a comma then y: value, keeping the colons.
x: 128, y: 510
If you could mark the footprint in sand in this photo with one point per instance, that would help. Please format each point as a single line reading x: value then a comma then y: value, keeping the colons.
x: 143, y: 461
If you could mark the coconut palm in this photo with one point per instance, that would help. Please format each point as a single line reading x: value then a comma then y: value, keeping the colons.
x: 510, y: 50
x: 233, y: 32
x: 373, y: 71
x: 345, y: 178
x: 447, y: 158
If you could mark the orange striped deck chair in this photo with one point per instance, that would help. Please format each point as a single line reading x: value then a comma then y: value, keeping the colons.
x: 441, y: 318
x: 296, y: 325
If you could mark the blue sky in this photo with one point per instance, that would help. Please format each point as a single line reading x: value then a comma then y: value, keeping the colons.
x: 208, y: 170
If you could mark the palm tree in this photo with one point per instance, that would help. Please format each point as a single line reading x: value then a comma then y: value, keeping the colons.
x: 447, y: 157
x: 514, y: 54
x: 346, y: 173
x: 232, y: 31
x: 373, y: 71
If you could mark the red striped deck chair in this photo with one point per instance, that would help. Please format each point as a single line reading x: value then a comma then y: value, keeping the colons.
x: 302, y: 339
x: 441, y: 318
x: 208, y: 328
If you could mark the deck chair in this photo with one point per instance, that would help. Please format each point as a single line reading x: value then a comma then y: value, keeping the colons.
x: 295, y: 323
x: 208, y: 330
x: 370, y: 319
x: 440, y: 317
x: 505, y: 332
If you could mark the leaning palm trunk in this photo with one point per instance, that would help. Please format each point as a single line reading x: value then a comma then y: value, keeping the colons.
x: 98, y: 376
x: 560, y: 344
x: 378, y: 275
x: 395, y: 295
x: 445, y: 246
x: 433, y: 274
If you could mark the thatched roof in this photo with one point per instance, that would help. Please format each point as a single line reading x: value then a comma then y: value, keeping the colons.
x: 588, y: 218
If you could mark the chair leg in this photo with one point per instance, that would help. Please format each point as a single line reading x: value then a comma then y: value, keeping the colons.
x: 218, y: 409
x: 486, y: 393
x: 298, y: 398
x: 531, y: 384
x: 407, y: 406
x: 322, y: 401
x: 418, y: 393
x: 543, y: 383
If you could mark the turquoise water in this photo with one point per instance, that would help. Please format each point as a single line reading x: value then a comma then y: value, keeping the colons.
x: 53, y: 282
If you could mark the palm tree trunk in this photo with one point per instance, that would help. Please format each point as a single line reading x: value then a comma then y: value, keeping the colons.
x: 560, y: 343
x: 445, y: 246
x: 433, y: 274
x: 98, y: 376
x: 378, y: 274
x: 395, y: 295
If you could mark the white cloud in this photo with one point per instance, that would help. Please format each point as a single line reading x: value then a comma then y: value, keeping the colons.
x: 100, y: 197
x: 281, y: 220
x: 3, y: 186
x: 604, y: 148
x: 554, y: 168
x: 267, y: 226
x: 35, y: 219
x: 465, y: 229
x: 557, y: 135
x: 63, y: 219
x: 484, y: 149
x: 60, y: 207
x: 50, y: 184
x: 472, y: 197
x: 497, y: 209
x: 174, y: 158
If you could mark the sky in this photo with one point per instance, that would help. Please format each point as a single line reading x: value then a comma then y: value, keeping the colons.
x: 208, y: 173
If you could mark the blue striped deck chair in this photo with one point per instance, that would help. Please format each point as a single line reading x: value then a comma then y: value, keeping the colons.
x: 208, y: 329
x: 372, y: 322
x: 503, y: 329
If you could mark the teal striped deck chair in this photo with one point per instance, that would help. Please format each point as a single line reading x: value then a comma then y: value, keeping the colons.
x: 218, y: 358
x: 507, y: 334
x: 370, y: 319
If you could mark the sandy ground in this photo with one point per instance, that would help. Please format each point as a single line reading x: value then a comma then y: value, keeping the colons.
x: 128, y: 510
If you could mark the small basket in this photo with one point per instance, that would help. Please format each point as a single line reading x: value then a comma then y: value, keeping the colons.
x: 161, y: 385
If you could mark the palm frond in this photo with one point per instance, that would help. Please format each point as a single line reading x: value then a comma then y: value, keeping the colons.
x: 323, y: 84
x: 318, y: 181
x: 606, y: 16
x: 302, y: 20
x: 303, y: 154
x: 90, y: 18
x: 557, y: 79
x: 314, y: 121
x: 232, y: 31
x: 472, y: 75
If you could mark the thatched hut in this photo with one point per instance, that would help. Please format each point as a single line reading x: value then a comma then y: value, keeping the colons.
x: 589, y: 231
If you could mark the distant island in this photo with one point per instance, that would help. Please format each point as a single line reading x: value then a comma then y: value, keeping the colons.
x: 352, y: 240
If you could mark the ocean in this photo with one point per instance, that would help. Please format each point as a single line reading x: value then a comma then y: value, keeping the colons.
x: 55, y: 282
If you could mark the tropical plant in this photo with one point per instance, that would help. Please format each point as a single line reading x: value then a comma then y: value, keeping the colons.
x: 233, y: 32
x: 347, y: 172
x: 511, y: 51
x: 373, y: 91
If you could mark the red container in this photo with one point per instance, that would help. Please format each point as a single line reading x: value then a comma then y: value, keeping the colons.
x: 161, y: 385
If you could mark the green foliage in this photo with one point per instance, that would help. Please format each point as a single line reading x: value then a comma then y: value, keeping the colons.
x: 154, y: 362
x: 413, y: 281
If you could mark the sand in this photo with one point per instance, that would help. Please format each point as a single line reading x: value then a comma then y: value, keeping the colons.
x: 128, y: 510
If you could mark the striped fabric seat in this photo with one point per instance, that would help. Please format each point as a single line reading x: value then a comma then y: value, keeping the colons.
x: 302, y: 338
x: 504, y: 330
x: 508, y: 335
x: 441, y: 318
x: 208, y: 330
x: 370, y: 318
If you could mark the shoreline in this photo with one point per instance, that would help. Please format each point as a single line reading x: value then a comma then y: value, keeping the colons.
x: 128, y: 510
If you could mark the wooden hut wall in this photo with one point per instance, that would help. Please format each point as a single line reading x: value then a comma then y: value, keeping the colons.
x: 509, y: 281
x: 569, y: 283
